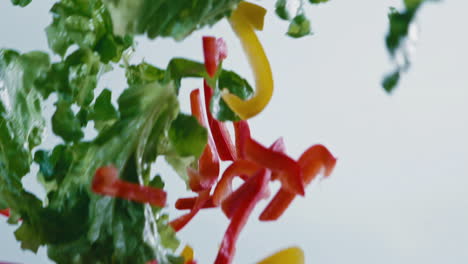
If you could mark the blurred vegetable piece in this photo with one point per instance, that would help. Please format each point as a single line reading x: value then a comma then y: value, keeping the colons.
x: 293, y: 255
x: 106, y: 182
x: 244, y: 20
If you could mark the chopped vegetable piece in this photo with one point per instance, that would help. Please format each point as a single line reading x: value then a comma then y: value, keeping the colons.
x: 292, y: 255
x: 241, y: 168
x: 208, y: 163
x: 5, y: 212
x: 187, y: 254
x: 243, y: 21
x: 289, y: 170
x: 283, y: 167
x: 242, y: 132
x: 278, y: 146
x: 215, y: 50
x: 245, y: 198
x: 106, y: 182
x: 312, y: 161
x: 188, y: 203
x: 183, y: 220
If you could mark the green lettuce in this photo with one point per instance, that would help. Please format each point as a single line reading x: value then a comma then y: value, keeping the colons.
x: 166, y: 18
x: 399, y: 25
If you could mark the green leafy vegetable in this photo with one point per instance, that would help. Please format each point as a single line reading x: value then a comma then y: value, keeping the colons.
x: 21, y: 3
x: 236, y: 85
x: 88, y: 25
x: 21, y: 121
x: 299, y: 27
x: 103, y: 112
x: 166, y: 18
x: 187, y: 136
x: 399, y: 26
x: 66, y: 124
x: 299, y: 24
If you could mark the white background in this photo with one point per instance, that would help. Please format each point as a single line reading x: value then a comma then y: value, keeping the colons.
x: 399, y: 190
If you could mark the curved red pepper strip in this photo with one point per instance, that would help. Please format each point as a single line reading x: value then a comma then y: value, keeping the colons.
x: 5, y: 212
x: 188, y: 203
x: 312, y: 161
x: 245, y: 198
x: 106, y: 182
x: 241, y: 168
x: 183, y: 220
x: 214, y: 51
x: 289, y: 170
x: 208, y: 163
x: 200, y: 180
x: 283, y: 167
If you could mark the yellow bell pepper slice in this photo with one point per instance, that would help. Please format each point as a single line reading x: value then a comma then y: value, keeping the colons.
x: 187, y: 254
x: 244, y: 20
x: 292, y: 255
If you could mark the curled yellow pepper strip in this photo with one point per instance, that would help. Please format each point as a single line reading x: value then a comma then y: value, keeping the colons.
x: 244, y: 20
x: 187, y: 254
x: 293, y: 255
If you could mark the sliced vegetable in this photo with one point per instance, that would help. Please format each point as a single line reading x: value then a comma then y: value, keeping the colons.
x: 288, y: 169
x: 312, y: 161
x: 292, y: 255
x: 183, y: 220
x: 240, y: 205
x: 244, y: 20
x: 241, y: 168
x: 242, y: 132
x: 106, y: 182
x: 188, y: 203
x: 5, y: 212
x: 214, y: 51
x: 208, y: 163
x: 187, y: 254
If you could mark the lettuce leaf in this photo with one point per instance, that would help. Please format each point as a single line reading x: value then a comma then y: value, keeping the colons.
x: 88, y: 25
x: 21, y: 3
x: 397, y: 36
x: 166, y: 18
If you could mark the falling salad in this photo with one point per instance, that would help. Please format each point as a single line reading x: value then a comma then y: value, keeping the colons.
x: 102, y: 189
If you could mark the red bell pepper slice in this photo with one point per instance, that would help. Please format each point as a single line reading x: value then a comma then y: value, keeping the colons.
x: 288, y: 169
x: 242, y: 133
x: 183, y: 220
x: 106, y: 182
x: 208, y: 163
x: 241, y: 168
x: 152, y: 262
x: 214, y: 50
x: 188, y: 203
x: 5, y: 212
x: 234, y: 201
x: 278, y: 146
x: 284, y: 168
x: 312, y: 161
x: 245, y: 198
